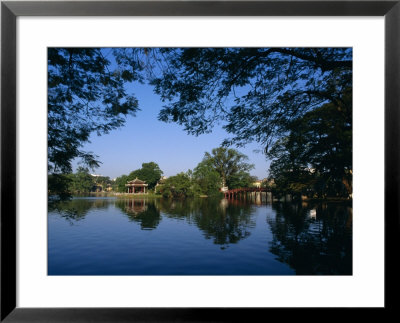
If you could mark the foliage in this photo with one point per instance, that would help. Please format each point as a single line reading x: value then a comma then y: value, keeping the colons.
x: 230, y: 164
x: 179, y: 186
x: 257, y: 92
x: 81, y: 181
x: 150, y: 173
x: 64, y: 185
x: 316, y: 156
x: 295, y: 100
x: 102, y: 181
x: 219, y: 166
x: 119, y: 183
x: 240, y: 179
x: 86, y: 95
x: 207, y: 178
x: 59, y: 185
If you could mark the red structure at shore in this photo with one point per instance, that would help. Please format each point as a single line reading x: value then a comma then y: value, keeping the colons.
x: 136, y: 186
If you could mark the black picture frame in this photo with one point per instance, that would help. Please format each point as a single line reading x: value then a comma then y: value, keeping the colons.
x: 10, y: 10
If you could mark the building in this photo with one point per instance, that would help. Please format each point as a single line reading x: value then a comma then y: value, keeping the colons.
x: 264, y: 183
x: 257, y: 183
x: 136, y: 186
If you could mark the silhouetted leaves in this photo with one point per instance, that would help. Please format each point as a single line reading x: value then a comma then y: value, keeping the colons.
x: 85, y: 95
x: 316, y: 155
x: 256, y: 92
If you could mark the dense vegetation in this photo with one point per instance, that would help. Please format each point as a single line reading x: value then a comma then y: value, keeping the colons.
x: 150, y: 173
x: 85, y: 95
x: 208, y: 177
x: 219, y: 168
x: 315, y: 158
x: 295, y: 102
x: 80, y: 182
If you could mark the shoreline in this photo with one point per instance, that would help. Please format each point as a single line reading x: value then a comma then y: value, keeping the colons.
x: 120, y: 195
x: 158, y: 196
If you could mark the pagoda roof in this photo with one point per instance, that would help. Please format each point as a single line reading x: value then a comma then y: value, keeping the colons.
x: 136, y: 181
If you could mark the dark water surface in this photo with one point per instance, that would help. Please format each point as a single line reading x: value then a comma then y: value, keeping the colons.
x: 108, y: 236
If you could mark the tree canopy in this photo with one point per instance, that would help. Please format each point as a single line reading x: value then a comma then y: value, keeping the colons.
x: 79, y: 182
x: 179, y: 186
x: 207, y: 178
x: 150, y: 173
x: 86, y: 94
x: 220, y: 167
x: 231, y: 165
x: 316, y: 155
x: 295, y: 102
x: 255, y: 92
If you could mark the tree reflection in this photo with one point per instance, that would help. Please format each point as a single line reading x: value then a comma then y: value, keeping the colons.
x: 141, y: 211
x: 313, y: 239
x: 76, y: 209
x: 224, y: 222
x: 178, y: 209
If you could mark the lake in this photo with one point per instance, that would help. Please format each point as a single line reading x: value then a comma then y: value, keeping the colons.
x: 116, y: 236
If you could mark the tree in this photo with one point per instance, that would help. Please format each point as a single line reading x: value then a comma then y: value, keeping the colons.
x: 150, y: 173
x: 207, y: 178
x: 86, y: 94
x: 179, y: 186
x: 316, y: 155
x: 261, y: 94
x: 81, y: 181
x: 229, y: 164
x: 119, y: 183
x: 257, y: 92
x: 59, y: 185
x: 102, y: 181
x: 241, y: 179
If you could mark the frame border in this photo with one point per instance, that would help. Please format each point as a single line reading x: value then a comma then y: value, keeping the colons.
x: 10, y: 10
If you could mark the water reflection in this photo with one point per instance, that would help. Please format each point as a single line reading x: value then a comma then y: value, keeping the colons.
x: 310, y: 238
x: 313, y: 239
x: 141, y: 211
x: 223, y: 222
x: 76, y: 209
x: 199, y: 236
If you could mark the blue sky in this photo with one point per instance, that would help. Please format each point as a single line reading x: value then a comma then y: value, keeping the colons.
x: 145, y: 139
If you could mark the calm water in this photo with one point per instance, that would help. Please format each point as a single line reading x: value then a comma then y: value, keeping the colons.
x: 107, y: 236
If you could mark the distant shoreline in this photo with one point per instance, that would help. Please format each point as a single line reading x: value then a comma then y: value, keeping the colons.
x: 119, y: 195
x: 157, y: 196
